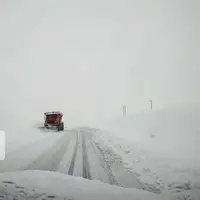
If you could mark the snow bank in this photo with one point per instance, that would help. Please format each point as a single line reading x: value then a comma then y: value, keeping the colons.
x: 46, y: 185
x: 20, y: 129
x: 169, y: 131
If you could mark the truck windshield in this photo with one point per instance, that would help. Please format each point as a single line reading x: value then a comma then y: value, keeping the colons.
x: 50, y: 116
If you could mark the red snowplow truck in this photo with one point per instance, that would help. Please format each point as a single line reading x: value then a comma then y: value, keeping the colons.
x: 54, y: 120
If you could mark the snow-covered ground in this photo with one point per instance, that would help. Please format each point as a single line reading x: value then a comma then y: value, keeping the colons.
x: 162, y: 146
x: 25, y: 174
x: 54, y: 185
x: 152, y: 155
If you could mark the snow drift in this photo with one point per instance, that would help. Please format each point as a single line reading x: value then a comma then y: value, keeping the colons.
x: 20, y: 129
x: 53, y: 185
x: 174, y: 130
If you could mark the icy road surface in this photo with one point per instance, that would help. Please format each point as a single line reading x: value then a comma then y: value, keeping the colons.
x: 79, y: 152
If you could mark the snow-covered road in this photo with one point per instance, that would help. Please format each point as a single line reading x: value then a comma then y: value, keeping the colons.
x: 88, y: 154
x: 79, y: 152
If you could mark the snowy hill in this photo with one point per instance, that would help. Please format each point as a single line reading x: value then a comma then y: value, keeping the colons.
x: 176, y: 127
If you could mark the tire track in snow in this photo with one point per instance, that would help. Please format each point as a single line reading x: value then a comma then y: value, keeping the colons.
x: 103, y: 163
x: 86, y: 167
x: 71, y: 167
x: 128, y: 179
x: 51, y: 158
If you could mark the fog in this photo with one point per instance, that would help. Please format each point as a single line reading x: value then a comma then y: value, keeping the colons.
x: 88, y: 58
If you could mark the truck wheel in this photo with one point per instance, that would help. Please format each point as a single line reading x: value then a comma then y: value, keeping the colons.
x: 58, y: 127
x: 62, y: 126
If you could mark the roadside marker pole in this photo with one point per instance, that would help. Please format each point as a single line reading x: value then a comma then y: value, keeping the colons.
x: 2, y: 145
x: 124, y: 110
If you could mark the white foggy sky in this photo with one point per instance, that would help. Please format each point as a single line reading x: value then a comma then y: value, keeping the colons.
x: 87, y: 58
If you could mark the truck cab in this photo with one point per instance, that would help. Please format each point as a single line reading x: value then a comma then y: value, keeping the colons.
x: 54, y: 120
